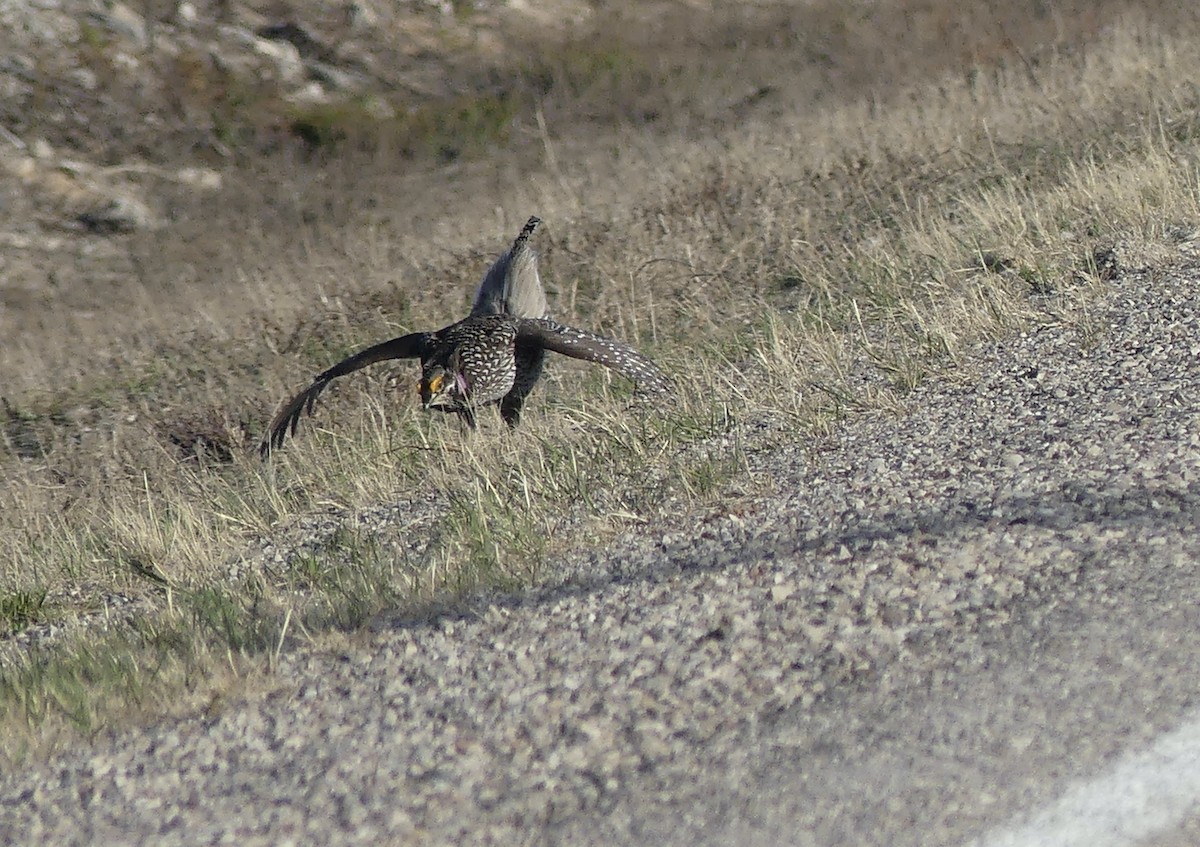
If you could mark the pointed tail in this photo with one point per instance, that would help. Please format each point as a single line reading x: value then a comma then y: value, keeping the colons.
x: 512, y: 285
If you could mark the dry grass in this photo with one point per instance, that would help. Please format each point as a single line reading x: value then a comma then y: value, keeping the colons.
x: 794, y: 267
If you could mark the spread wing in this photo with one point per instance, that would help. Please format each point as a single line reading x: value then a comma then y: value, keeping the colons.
x: 581, y: 344
x: 410, y: 346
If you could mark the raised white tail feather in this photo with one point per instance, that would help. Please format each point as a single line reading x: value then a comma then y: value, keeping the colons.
x: 512, y: 285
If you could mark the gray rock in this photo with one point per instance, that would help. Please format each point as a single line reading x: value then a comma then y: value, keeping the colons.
x: 120, y: 213
x: 334, y: 78
x: 123, y: 21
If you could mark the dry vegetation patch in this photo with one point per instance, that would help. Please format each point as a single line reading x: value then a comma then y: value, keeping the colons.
x: 808, y: 236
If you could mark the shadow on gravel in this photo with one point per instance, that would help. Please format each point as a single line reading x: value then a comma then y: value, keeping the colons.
x: 1071, y: 505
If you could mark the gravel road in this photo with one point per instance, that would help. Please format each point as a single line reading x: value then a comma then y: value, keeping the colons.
x: 941, y: 618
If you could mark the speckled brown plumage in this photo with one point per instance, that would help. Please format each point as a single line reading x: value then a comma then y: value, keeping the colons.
x: 490, y: 357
